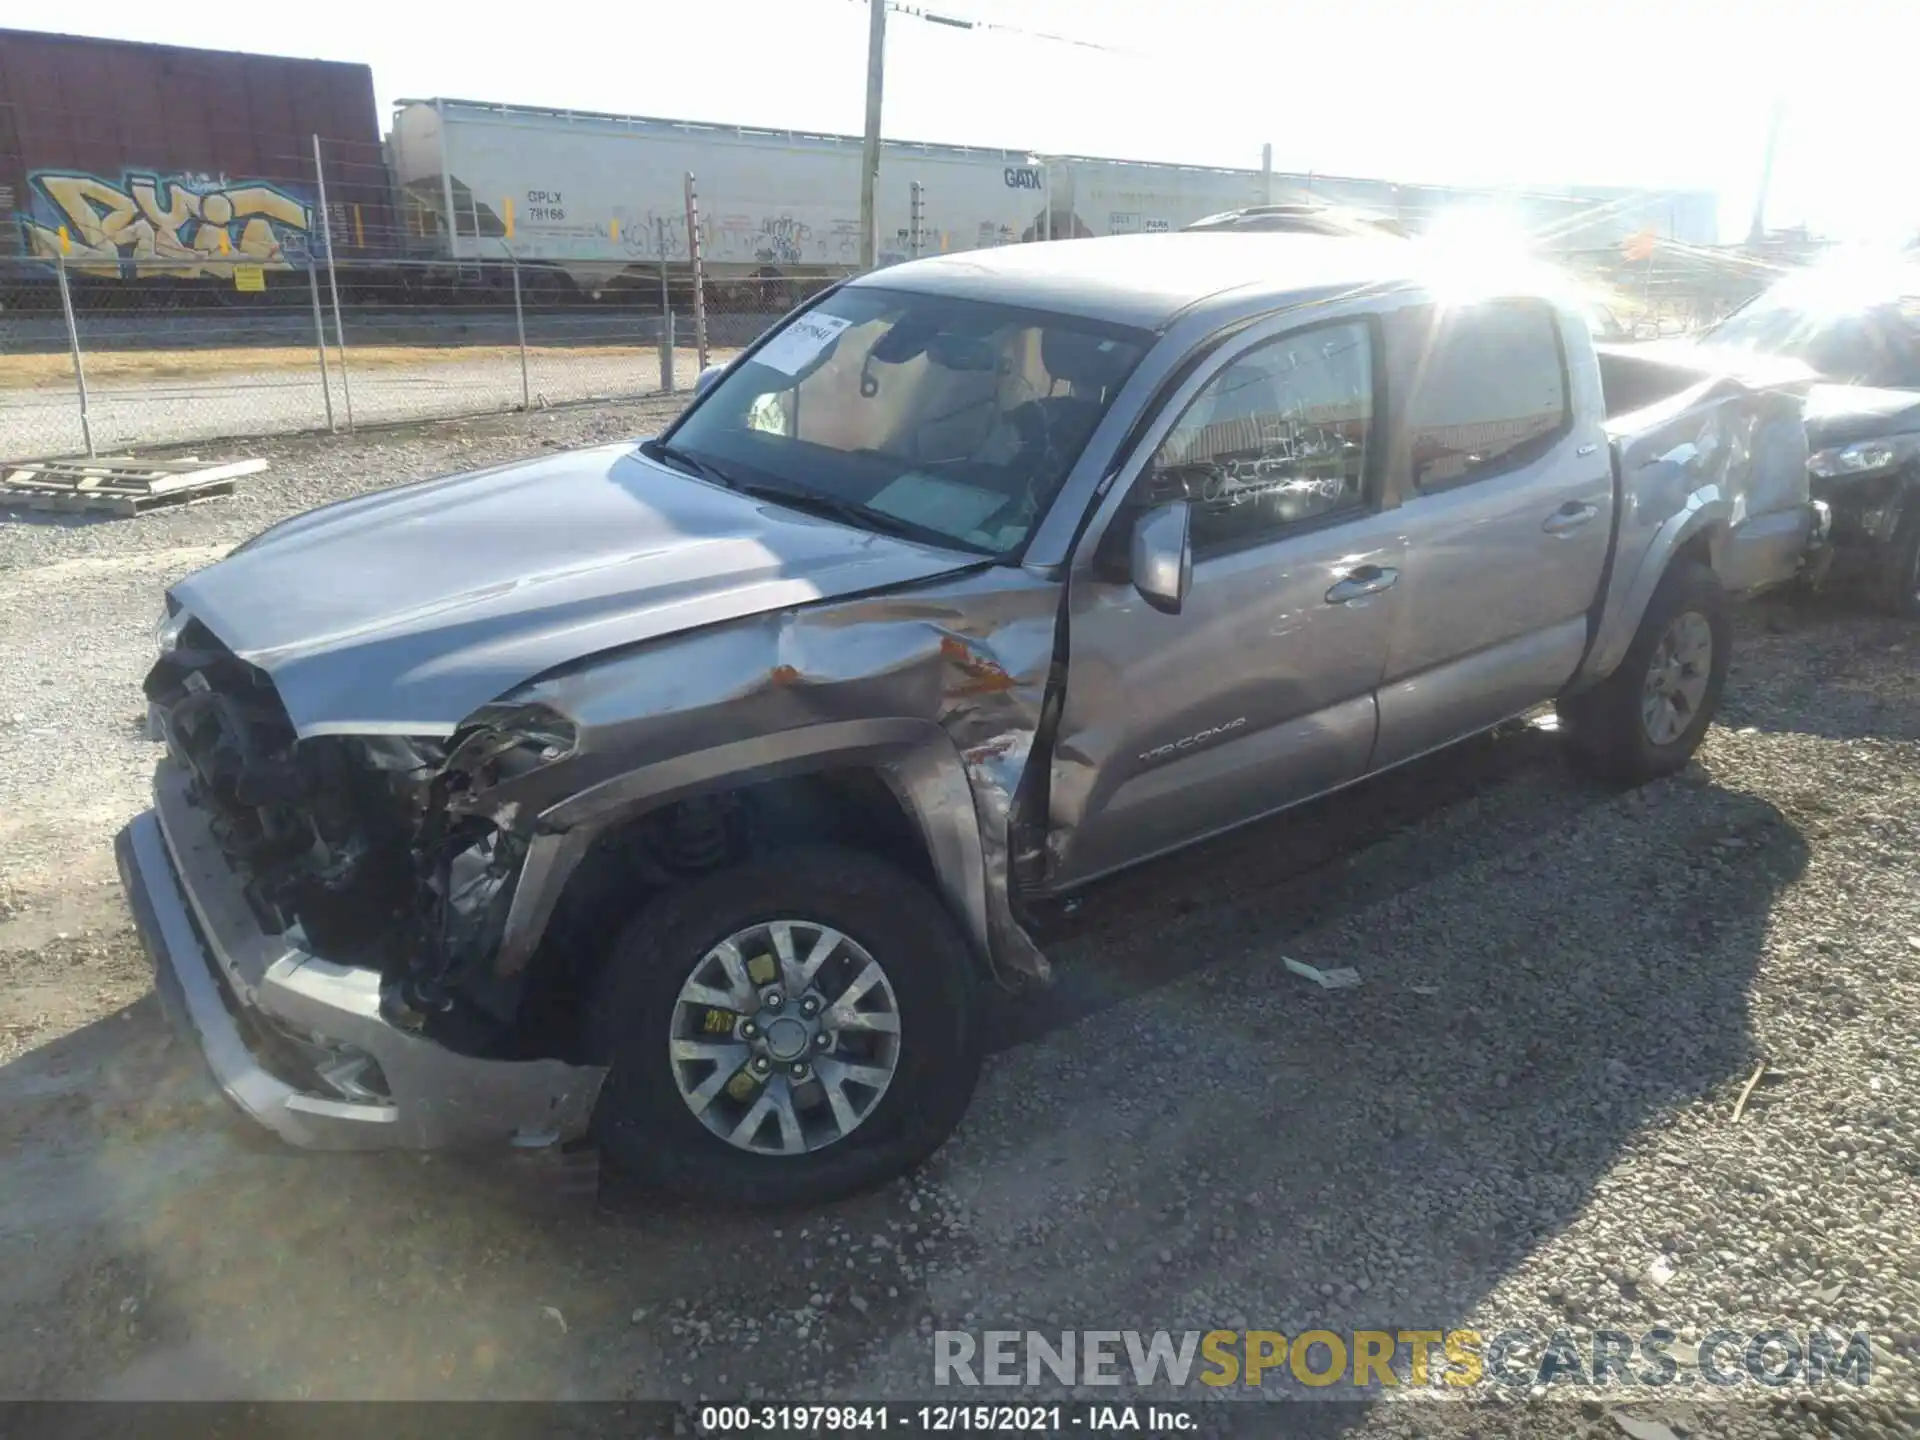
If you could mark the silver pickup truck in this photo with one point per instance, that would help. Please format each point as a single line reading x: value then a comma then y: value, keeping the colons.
x: 685, y: 795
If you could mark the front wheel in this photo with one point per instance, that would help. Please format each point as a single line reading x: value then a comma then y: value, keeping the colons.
x: 785, y: 1032
x: 1647, y: 718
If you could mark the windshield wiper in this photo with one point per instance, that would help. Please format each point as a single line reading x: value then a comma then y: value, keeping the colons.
x: 816, y: 503
x: 850, y: 512
x: 681, y: 460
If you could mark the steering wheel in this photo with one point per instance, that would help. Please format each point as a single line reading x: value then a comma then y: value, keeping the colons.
x: 1029, y: 422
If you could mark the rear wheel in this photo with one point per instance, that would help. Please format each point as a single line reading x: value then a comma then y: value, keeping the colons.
x: 785, y: 1032
x: 1647, y: 718
x: 1901, y: 589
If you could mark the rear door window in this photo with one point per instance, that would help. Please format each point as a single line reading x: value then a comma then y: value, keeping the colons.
x: 1485, y: 387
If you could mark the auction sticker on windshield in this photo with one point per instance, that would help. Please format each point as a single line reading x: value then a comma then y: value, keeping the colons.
x: 800, y: 343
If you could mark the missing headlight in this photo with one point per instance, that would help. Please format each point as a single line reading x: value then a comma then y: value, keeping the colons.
x: 541, y: 734
x: 476, y: 891
x: 450, y: 985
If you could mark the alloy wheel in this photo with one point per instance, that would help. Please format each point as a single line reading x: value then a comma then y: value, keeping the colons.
x: 1676, y: 681
x: 785, y: 1037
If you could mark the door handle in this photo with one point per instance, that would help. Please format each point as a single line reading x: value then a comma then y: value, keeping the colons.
x: 1363, y: 581
x: 1569, y: 517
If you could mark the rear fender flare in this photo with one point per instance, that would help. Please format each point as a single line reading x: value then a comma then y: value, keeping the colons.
x: 1708, y: 511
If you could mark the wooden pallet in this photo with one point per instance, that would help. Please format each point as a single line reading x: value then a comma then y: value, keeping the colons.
x: 120, y: 484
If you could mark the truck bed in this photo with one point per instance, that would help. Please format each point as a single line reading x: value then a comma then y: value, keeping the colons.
x: 1687, y: 435
x: 1633, y: 378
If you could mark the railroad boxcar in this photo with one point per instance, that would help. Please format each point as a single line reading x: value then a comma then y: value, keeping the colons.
x: 143, y: 160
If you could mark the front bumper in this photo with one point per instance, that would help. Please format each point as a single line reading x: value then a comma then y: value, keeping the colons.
x: 288, y: 1035
x: 1818, y: 558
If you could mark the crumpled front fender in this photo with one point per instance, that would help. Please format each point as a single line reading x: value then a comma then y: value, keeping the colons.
x: 939, y: 689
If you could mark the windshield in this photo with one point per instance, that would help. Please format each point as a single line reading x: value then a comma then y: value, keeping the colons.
x: 1863, y: 341
x: 948, y: 419
x: 1604, y: 324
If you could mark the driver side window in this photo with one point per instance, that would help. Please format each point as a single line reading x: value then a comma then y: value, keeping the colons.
x: 1275, y: 441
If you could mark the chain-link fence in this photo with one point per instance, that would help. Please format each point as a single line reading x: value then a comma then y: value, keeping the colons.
x: 180, y: 350
x: 307, y: 287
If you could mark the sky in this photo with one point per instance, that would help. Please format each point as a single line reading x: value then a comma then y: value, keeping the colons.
x: 1653, y: 93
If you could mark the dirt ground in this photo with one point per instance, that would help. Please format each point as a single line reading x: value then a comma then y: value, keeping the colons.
x: 1523, y: 1113
x: 55, y: 371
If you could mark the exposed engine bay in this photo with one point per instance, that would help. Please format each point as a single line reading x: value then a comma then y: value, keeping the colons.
x: 405, y: 854
x: 359, y: 847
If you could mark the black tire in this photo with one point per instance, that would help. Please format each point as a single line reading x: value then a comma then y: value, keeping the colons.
x: 1900, y: 585
x: 645, y: 1128
x: 1604, y: 724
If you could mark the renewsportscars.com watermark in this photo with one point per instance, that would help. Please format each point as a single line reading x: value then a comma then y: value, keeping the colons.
x: 1444, y: 1360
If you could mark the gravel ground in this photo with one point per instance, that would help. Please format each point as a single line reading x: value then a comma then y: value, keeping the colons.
x: 1523, y: 1115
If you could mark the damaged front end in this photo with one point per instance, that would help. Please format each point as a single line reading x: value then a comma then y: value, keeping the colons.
x: 351, y: 892
x: 1871, y: 484
x: 456, y: 979
x: 431, y: 750
x: 321, y: 831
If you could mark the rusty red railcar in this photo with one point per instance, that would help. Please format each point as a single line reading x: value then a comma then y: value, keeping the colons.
x: 162, y: 160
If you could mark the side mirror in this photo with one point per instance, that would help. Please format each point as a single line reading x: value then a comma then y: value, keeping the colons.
x: 1161, y: 557
x: 707, y: 377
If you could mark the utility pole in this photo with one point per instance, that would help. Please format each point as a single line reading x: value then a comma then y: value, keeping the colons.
x: 1757, y: 232
x: 870, y: 151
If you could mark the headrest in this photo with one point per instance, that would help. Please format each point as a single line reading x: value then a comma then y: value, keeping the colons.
x: 1083, y: 359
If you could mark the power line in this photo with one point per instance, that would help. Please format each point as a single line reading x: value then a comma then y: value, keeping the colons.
x: 963, y: 22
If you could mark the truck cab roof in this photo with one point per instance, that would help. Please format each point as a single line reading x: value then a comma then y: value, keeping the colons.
x: 1146, y: 281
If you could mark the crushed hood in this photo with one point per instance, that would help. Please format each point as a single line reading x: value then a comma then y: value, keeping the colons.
x: 1836, y: 413
x: 1842, y: 414
x: 407, y: 610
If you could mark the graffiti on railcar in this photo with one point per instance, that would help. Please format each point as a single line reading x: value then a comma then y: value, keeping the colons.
x: 165, y: 224
x: 765, y: 239
x: 782, y: 240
